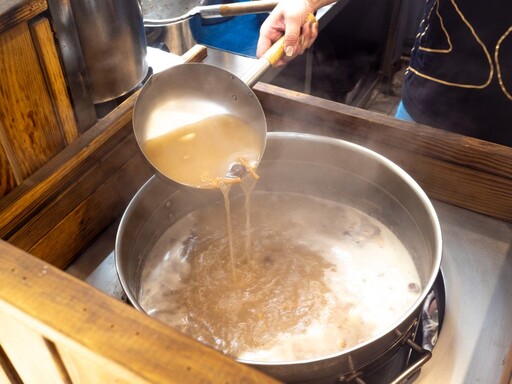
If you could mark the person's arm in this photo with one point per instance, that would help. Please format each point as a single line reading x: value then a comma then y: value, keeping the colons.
x: 289, y: 18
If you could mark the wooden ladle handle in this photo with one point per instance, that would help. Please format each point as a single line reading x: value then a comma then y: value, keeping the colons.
x: 269, y: 58
x: 276, y: 51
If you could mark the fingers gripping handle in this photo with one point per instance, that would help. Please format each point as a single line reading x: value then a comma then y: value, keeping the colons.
x: 270, y: 58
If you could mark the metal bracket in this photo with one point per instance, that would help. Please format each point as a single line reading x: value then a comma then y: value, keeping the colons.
x: 425, y: 355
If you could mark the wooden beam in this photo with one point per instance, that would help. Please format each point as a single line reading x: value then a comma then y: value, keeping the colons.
x: 44, y: 42
x: 13, y: 12
x: 456, y: 169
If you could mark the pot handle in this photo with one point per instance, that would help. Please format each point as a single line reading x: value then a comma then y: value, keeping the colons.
x: 425, y: 356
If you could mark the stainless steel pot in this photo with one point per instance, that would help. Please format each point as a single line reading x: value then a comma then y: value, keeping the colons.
x: 173, y: 22
x: 316, y: 166
x: 113, y: 43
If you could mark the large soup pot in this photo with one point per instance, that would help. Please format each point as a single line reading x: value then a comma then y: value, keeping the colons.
x: 316, y: 166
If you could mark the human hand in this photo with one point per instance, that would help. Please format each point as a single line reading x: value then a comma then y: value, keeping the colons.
x: 289, y: 17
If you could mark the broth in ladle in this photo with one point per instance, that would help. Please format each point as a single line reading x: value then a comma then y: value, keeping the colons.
x: 196, y: 153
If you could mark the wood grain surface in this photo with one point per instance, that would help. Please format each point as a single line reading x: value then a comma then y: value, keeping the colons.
x: 44, y: 43
x: 7, y: 178
x: 61, y: 189
x: 15, y: 11
x: 30, y: 132
x: 456, y: 169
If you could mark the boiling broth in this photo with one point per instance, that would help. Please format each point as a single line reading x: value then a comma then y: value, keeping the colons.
x: 321, y: 277
x: 195, y: 153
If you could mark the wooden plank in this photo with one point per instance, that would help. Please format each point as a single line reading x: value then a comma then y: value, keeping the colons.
x: 44, y: 42
x: 88, y: 219
x: 13, y: 12
x: 459, y: 170
x: 110, y: 334
x: 30, y: 131
x: 66, y: 168
x: 112, y: 193
x: 79, y: 367
x: 31, y: 355
x: 445, y: 181
x: 469, y: 188
x: 314, y: 113
x: 7, y: 178
x: 8, y: 374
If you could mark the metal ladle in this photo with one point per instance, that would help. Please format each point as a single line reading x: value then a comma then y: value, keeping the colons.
x: 193, y: 92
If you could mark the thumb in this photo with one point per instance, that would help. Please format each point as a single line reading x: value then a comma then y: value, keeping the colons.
x: 291, y: 36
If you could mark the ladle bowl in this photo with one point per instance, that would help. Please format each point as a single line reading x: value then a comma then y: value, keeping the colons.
x: 190, y: 94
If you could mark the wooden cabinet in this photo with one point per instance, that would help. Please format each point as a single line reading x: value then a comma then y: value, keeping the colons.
x: 36, y: 115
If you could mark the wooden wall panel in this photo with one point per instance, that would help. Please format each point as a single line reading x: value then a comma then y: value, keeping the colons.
x: 82, y: 187
x: 30, y: 131
x: 42, y: 36
x: 16, y: 11
x: 7, y: 178
x: 32, y: 356
x: 66, y: 169
x: 86, y: 221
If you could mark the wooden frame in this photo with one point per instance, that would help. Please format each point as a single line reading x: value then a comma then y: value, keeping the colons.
x: 79, y: 335
x: 460, y: 170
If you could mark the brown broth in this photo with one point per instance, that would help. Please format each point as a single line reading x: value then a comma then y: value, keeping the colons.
x: 195, y: 153
x: 320, y: 277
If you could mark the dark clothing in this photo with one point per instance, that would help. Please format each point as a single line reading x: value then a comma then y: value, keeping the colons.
x: 460, y: 75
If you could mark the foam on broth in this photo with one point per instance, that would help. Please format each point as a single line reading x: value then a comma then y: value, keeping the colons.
x: 312, y: 277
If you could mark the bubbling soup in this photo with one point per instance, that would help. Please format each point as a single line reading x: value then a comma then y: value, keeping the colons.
x: 310, y: 277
